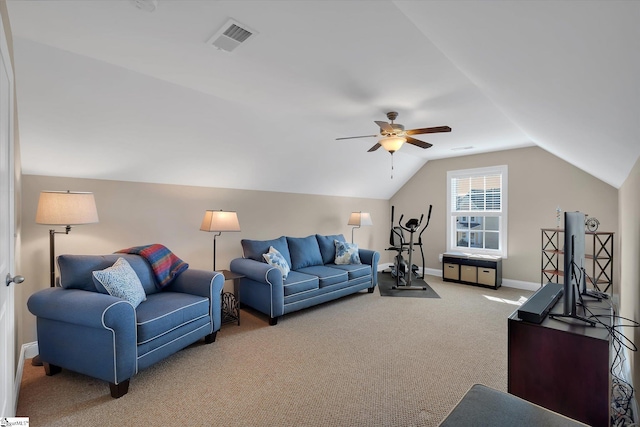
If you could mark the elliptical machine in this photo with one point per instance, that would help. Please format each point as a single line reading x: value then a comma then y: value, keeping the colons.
x: 405, y: 271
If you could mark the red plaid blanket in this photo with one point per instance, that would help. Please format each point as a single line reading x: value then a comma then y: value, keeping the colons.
x: 165, y: 265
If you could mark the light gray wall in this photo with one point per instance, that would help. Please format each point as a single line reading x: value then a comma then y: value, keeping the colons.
x: 133, y: 214
x: 630, y: 260
x: 538, y: 183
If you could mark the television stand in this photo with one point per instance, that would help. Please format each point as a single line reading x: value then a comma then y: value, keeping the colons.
x: 595, y: 294
x: 558, y: 316
x: 563, y: 366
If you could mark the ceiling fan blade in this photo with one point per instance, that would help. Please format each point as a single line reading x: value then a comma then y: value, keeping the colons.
x: 418, y: 143
x: 353, y: 137
x: 374, y: 148
x: 384, y: 126
x: 436, y: 129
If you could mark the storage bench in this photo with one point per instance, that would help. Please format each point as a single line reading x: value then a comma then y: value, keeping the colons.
x: 472, y: 269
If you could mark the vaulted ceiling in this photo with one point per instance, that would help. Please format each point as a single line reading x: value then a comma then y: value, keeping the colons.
x: 107, y: 90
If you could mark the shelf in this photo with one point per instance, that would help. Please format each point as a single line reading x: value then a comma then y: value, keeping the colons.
x: 472, y: 270
x: 599, y: 254
x: 587, y: 256
x: 554, y: 272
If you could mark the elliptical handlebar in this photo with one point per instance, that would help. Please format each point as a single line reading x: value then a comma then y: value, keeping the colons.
x: 412, y: 225
x: 426, y: 225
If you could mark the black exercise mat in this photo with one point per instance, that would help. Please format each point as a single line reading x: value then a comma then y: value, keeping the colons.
x: 386, y: 281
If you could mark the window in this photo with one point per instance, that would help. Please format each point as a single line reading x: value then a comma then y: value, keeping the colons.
x: 477, y: 210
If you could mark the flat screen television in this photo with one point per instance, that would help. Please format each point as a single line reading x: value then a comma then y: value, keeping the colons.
x: 574, y: 274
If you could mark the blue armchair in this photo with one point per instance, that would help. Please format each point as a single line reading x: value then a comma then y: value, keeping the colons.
x: 85, y: 330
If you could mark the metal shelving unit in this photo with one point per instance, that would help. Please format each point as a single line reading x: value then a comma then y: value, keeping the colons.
x: 598, y: 258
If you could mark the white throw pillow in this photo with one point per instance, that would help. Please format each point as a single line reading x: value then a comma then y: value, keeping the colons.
x: 275, y: 259
x: 346, y: 253
x: 120, y: 280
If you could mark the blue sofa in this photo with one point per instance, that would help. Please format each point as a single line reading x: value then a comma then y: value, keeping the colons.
x: 314, y: 277
x: 82, y: 329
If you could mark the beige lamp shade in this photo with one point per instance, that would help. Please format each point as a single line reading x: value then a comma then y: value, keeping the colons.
x: 360, y: 218
x: 219, y: 221
x: 66, y: 208
x: 392, y: 143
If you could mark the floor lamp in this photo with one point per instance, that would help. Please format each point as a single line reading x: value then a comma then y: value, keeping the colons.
x: 217, y: 222
x: 358, y: 219
x: 65, y: 208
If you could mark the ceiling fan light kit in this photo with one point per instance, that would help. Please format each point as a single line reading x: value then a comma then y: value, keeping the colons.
x: 392, y: 143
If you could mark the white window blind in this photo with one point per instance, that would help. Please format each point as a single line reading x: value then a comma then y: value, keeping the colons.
x: 477, y: 210
x: 477, y: 193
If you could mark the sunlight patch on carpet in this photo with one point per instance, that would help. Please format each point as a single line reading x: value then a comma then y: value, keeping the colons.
x: 521, y: 301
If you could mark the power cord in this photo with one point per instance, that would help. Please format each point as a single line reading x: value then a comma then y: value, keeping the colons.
x: 621, y: 390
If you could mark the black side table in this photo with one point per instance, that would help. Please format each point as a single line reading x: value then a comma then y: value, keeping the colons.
x: 231, y: 300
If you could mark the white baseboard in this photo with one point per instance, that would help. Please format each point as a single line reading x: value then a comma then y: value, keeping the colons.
x: 508, y: 283
x: 519, y: 284
x: 30, y: 350
x: 384, y: 266
x: 432, y: 272
x: 27, y: 351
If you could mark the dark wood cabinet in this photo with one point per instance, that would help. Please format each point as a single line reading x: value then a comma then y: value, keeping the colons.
x: 563, y: 365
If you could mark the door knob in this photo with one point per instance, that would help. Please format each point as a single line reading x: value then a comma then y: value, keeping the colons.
x: 16, y: 279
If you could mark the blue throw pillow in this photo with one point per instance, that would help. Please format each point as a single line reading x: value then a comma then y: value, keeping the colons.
x: 120, y: 280
x: 275, y: 259
x: 304, y: 251
x: 254, y: 249
x: 327, y: 247
x: 347, y: 253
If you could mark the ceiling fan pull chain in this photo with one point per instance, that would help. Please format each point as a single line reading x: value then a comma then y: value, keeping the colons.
x: 391, y: 165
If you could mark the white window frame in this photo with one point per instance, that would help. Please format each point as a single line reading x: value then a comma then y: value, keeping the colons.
x: 502, y: 214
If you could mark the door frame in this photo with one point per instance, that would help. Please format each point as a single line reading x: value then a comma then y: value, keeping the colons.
x: 9, y: 385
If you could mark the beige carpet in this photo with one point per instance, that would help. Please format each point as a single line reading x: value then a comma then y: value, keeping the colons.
x: 364, y: 360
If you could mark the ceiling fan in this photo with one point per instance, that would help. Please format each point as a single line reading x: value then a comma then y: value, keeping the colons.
x: 393, y: 135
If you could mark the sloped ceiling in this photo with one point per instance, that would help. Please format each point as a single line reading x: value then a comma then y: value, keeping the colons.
x: 108, y: 91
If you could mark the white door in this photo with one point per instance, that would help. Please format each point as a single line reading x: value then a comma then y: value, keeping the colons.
x: 7, y: 232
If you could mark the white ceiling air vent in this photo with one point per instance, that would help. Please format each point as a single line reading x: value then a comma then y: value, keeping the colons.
x: 231, y: 35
